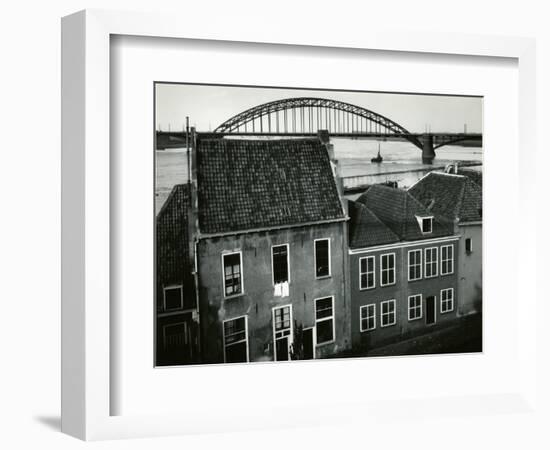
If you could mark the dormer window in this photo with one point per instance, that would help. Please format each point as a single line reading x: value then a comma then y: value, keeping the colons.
x: 426, y: 224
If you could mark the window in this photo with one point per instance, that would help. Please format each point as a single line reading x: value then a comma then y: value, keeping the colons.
x: 387, y: 269
x: 232, y: 274
x: 469, y: 246
x: 447, y: 259
x: 426, y: 224
x: 282, y: 322
x: 447, y: 300
x: 415, y: 307
x: 387, y: 316
x: 173, y: 298
x: 322, y: 258
x: 175, y: 335
x: 324, y: 320
x: 235, y: 340
x: 430, y: 262
x: 366, y: 272
x: 279, y: 260
x: 415, y: 265
x: 368, y: 317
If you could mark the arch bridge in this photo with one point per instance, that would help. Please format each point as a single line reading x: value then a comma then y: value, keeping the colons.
x: 305, y: 116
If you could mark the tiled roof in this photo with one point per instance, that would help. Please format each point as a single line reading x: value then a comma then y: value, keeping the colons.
x: 249, y: 184
x: 475, y: 175
x: 173, y: 259
x: 399, y: 210
x: 365, y: 229
x: 452, y: 196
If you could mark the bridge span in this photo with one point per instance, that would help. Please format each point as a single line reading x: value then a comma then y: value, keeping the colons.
x: 305, y: 116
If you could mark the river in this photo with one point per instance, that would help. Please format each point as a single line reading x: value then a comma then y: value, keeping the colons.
x: 354, y: 156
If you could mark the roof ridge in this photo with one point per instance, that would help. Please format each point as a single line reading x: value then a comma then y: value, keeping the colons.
x: 460, y: 204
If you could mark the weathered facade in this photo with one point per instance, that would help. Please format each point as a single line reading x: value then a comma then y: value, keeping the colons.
x: 258, y: 301
x: 403, y: 268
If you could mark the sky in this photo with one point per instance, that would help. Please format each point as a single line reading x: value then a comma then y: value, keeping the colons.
x: 209, y: 106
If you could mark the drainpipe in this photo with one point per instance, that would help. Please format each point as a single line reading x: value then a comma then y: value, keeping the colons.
x: 193, y: 224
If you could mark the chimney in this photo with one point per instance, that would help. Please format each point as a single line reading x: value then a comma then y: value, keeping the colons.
x: 324, y: 137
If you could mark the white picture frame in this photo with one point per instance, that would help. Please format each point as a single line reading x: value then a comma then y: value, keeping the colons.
x: 87, y: 319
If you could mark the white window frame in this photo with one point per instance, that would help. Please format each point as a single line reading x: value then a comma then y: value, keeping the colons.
x: 329, y: 258
x: 373, y: 258
x: 436, y: 260
x: 388, y: 313
x: 421, y: 219
x: 416, y: 250
x: 175, y: 286
x: 441, y: 301
x: 332, y: 317
x: 415, y: 296
x: 234, y: 343
x: 382, y: 270
x: 240, y: 253
x: 287, y: 263
x: 361, y: 318
x: 451, y: 246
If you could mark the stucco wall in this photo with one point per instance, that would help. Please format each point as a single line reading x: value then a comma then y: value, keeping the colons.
x: 258, y: 298
x: 470, y: 269
x: 400, y: 291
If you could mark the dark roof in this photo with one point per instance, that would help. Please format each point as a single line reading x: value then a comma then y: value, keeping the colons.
x: 400, y: 211
x: 475, y: 175
x: 452, y: 196
x: 249, y: 184
x: 174, y: 264
x: 365, y: 229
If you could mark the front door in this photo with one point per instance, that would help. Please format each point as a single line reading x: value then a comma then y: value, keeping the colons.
x: 308, y: 343
x: 430, y: 310
x: 282, y: 332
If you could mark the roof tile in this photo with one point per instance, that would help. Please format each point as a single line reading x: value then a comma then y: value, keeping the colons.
x: 400, y: 211
x: 451, y: 196
x: 365, y: 229
x: 249, y: 184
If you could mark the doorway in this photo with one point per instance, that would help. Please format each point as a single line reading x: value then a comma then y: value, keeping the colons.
x: 308, y: 343
x: 282, y: 332
x: 430, y: 310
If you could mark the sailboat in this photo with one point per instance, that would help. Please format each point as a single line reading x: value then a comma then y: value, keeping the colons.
x: 378, y: 158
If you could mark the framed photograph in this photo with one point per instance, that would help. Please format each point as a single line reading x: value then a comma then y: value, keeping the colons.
x: 250, y: 219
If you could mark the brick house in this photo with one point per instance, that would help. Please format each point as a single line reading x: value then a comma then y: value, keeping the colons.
x: 267, y: 236
x: 402, y: 260
x: 458, y: 198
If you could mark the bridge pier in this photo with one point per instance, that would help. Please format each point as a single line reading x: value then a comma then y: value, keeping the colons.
x: 428, y: 152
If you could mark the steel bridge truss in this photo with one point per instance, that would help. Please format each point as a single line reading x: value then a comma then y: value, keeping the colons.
x: 307, y: 115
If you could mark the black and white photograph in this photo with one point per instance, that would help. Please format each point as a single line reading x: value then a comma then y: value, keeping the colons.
x: 299, y: 224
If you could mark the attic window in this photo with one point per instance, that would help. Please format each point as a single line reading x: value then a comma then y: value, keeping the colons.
x: 426, y: 224
x: 173, y: 298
